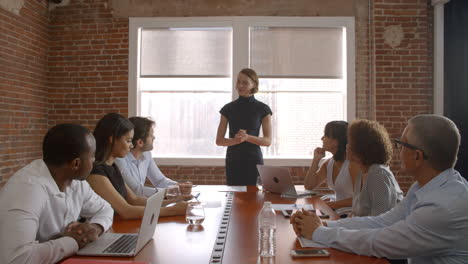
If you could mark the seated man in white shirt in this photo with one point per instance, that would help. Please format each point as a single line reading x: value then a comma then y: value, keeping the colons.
x: 430, y: 225
x: 138, y: 164
x: 41, y: 203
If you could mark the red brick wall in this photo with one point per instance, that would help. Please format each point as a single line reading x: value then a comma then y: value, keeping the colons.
x: 196, y: 174
x: 88, y: 62
x: 88, y: 67
x: 403, y: 72
x: 23, y: 91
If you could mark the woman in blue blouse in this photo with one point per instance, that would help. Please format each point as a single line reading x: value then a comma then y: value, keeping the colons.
x: 245, y: 116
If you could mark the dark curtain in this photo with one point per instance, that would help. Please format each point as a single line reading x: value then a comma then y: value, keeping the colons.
x: 456, y: 73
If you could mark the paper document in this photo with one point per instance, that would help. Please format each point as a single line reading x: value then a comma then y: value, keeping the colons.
x: 233, y: 189
x: 309, y: 243
x: 279, y: 207
x: 211, y: 204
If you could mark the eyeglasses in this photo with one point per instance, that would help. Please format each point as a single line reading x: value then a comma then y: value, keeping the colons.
x: 399, y: 143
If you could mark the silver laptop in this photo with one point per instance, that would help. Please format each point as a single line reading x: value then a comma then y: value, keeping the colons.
x: 128, y: 245
x: 278, y: 180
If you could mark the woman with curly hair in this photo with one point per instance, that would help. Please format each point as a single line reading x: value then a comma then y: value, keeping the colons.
x: 376, y: 190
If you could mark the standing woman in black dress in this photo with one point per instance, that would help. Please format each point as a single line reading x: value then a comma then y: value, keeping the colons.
x: 245, y: 116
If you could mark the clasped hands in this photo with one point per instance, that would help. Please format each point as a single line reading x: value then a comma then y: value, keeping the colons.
x: 83, y: 233
x: 241, y: 136
x: 305, y: 223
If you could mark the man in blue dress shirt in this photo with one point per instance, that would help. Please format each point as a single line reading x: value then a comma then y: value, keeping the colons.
x: 138, y: 164
x: 430, y: 225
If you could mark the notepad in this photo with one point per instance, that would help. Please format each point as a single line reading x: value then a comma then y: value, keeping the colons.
x: 100, y: 261
x: 309, y: 243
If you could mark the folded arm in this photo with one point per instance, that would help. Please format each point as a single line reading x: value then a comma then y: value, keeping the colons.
x: 19, y: 228
x: 96, y: 209
x: 221, y: 140
x: 425, y: 232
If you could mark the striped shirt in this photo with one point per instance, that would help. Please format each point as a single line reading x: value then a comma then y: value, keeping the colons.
x: 379, y: 194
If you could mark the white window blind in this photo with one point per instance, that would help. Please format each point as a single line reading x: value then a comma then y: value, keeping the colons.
x: 186, y: 52
x: 297, y: 52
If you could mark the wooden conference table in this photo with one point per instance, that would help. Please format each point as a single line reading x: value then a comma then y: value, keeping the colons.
x: 177, y: 242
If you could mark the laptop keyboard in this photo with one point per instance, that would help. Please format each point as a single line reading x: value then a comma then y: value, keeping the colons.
x: 125, y: 244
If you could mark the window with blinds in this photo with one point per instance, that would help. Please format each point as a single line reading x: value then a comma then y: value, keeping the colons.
x: 185, y: 69
x: 185, y: 52
x: 289, y: 52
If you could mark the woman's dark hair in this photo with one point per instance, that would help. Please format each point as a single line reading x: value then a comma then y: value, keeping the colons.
x: 338, y: 130
x: 142, y: 128
x: 63, y: 143
x: 112, y: 125
x: 252, y: 76
x: 370, y: 142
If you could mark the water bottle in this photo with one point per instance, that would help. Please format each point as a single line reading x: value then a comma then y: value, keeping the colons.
x: 267, y: 231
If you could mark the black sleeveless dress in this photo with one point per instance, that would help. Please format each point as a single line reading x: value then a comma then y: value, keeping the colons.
x: 242, y: 159
x: 113, y: 174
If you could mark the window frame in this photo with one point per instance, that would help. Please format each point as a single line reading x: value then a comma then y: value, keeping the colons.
x: 240, y: 48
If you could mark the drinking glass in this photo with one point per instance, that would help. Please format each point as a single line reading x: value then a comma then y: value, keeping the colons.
x: 195, y: 213
x: 185, y: 187
x: 172, y: 192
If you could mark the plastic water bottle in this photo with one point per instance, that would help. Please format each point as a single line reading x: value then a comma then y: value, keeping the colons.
x: 267, y: 231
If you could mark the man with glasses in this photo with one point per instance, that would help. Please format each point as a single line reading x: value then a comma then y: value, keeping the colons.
x: 399, y: 144
x: 430, y: 225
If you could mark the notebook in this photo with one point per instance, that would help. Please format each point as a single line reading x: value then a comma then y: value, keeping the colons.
x: 278, y: 180
x: 128, y: 245
x: 100, y: 261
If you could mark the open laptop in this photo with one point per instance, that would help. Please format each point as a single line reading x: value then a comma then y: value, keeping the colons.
x: 128, y: 245
x: 278, y: 180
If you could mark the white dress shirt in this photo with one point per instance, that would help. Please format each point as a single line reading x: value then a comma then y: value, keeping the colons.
x: 429, y: 226
x: 136, y: 171
x: 34, y: 212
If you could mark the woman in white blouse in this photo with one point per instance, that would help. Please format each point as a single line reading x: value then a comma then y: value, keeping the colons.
x: 376, y: 190
x: 337, y: 171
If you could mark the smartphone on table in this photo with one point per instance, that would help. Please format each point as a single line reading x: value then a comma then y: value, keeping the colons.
x: 309, y: 253
x: 287, y: 213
